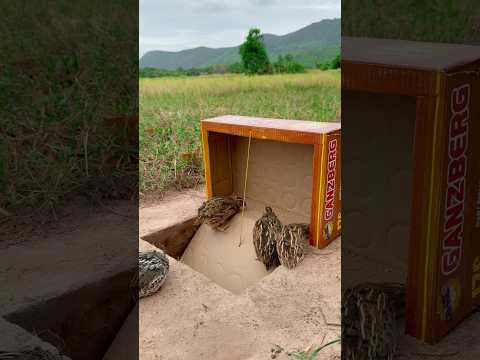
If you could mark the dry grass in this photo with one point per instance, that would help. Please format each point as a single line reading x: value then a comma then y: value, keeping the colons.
x: 171, y: 110
x: 65, y: 67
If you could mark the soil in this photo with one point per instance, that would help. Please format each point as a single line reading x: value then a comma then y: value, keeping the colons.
x: 192, y: 317
x: 61, y: 282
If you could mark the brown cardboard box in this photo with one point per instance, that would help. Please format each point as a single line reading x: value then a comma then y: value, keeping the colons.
x: 419, y: 103
x: 293, y: 166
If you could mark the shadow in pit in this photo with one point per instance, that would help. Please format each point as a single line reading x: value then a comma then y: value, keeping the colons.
x: 83, y: 323
x: 174, y: 239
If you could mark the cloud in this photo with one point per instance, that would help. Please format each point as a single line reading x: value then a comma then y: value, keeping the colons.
x: 264, y: 2
x: 214, y: 7
x: 181, y: 24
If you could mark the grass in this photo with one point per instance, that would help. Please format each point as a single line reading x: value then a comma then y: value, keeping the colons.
x: 312, y: 353
x: 65, y: 68
x: 171, y: 110
x: 455, y: 21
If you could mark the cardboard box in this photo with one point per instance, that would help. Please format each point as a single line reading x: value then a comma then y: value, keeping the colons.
x: 419, y: 105
x: 294, y: 167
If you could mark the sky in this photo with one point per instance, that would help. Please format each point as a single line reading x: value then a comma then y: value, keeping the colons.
x: 174, y: 25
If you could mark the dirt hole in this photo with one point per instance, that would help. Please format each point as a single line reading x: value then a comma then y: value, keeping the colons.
x: 81, y: 324
x: 227, y: 258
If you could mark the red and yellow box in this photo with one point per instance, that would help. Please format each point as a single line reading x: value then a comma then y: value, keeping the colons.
x: 291, y: 165
x: 442, y: 83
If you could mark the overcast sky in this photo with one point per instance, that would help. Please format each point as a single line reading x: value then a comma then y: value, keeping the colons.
x: 175, y: 25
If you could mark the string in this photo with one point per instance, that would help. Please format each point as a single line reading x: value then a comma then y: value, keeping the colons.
x: 245, y: 187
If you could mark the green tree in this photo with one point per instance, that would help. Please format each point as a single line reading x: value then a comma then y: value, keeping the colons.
x: 336, y: 62
x: 254, y: 55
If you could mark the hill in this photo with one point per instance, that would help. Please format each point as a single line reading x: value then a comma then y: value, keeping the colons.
x: 314, y: 43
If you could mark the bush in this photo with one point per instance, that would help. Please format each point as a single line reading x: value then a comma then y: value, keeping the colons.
x: 333, y: 64
x: 336, y: 62
x: 236, y: 68
x: 286, y: 64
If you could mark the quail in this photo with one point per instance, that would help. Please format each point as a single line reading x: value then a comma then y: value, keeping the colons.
x: 369, y: 313
x: 292, y: 242
x: 265, y: 232
x: 218, y: 211
x: 35, y: 353
x: 153, y: 268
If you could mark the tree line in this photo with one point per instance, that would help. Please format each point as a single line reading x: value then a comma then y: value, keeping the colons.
x: 254, y: 61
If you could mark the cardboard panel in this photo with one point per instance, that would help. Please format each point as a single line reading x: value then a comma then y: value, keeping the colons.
x: 378, y: 154
x: 473, y: 218
x: 279, y: 176
x: 220, y: 163
x: 407, y: 54
x: 326, y: 212
x: 458, y: 251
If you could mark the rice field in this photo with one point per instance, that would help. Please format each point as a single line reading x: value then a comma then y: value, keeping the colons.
x: 171, y: 110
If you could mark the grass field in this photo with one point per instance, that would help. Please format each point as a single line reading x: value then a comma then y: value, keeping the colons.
x: 171, y: 110
x: 65, y: 68
x: 456, y: 21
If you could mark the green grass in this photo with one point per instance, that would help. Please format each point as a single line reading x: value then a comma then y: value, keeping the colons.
x: 171, y: 110
x: 454, y: 21
x: 65, y: 67
x: 310, y: 354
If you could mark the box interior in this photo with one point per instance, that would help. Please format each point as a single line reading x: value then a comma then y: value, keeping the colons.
x: 279, y: 176
x: 377, y: 183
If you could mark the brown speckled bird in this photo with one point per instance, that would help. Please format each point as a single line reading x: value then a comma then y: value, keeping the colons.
x: 217, y: 211
x: 153, y: 268
x: 292, y: 243
x: 369, y: 313
x: 36, y: 353
x: 265, y: 232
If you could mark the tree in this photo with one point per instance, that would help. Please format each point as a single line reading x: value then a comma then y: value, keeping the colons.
x: 254, y: 55
x: 336, y: 62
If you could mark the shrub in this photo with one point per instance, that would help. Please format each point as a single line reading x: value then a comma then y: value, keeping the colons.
x: 286, y: 64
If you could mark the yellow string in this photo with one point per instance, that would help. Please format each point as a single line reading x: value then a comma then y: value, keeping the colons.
x: 245, y: 186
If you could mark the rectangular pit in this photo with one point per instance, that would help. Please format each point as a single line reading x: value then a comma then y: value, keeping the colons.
x: 279, y: 176
x: 82, y: 323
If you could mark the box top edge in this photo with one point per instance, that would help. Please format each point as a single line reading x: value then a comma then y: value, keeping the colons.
x: 408, y: 54
x: 312, y: 127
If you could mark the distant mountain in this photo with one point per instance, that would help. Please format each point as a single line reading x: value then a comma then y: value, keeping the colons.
x: 314, y: 43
